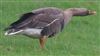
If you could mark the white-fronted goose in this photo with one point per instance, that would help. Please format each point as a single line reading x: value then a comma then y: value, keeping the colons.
x: 45, y: 22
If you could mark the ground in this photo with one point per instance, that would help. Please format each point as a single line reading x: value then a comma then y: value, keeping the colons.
x: 81, y: 37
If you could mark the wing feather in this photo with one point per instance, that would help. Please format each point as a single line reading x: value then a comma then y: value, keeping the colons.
x: 39, y: 19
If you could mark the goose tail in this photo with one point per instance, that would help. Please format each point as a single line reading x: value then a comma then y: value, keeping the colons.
x: 12, y: 32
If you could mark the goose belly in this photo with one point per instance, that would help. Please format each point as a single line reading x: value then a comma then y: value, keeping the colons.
x: 31, y: 32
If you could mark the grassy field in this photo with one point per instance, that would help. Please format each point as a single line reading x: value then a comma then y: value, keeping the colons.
x: 79, y: 38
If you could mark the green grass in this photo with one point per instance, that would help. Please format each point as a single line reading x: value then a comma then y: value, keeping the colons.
x: 79, y: 38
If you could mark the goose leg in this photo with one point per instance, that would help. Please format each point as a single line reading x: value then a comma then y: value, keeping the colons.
x: 42, y: 41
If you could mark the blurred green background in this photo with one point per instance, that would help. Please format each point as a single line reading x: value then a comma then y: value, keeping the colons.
x: 81, y: 37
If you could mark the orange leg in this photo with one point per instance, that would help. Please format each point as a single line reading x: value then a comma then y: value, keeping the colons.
x: 42, y: 41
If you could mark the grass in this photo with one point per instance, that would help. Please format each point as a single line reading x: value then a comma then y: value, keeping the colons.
x: 79, y: 38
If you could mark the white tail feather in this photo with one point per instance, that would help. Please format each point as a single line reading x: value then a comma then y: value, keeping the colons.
x: 13, y: 33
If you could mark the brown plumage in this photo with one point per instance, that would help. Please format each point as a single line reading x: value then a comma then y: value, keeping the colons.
x: 44, y: 22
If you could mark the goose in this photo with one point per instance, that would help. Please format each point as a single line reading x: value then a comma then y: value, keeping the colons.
x: 45, y: 23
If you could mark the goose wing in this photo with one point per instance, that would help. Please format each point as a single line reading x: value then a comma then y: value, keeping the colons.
x: 51, y: 24
x: 34, y: 21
